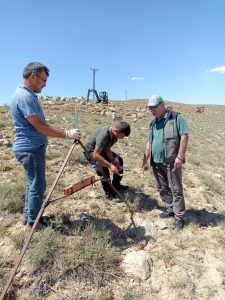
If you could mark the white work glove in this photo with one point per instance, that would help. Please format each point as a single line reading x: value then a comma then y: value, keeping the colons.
x: 73, y: 134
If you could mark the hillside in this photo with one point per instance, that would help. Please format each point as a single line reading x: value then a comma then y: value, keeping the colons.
x: 81, y: 258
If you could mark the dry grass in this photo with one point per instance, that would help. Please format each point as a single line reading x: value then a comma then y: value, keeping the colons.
x: 12, y: 196
x: 80, y: 259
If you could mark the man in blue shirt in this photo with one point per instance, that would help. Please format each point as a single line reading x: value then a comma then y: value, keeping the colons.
x: 168, y: 139
x: 31, y: 136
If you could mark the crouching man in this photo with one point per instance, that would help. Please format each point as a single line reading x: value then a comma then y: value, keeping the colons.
x: 104, y: 160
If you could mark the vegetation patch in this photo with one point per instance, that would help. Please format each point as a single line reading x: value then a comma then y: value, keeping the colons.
x: 12, y: 197
x: 80, y: 258
x: 91, y: 256
x: 42, y: 252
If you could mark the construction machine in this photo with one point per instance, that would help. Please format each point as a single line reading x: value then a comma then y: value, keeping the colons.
x: 102, y: 97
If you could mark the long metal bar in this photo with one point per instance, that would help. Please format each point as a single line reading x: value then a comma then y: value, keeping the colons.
x: 45, y: 203
x: 76, y: 187
x: 131, y: 211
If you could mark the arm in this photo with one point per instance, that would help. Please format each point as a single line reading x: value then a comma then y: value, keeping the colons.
x: 45, y: 129
x: 113, y: 159
x: 97, y: 156
x: 182, y: 150
x: 48, y: 130
x: 147, y: 154
x: 109, y: 154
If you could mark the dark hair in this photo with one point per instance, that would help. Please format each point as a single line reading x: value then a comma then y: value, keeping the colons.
x: 34, y: 67
x: 124, y: 128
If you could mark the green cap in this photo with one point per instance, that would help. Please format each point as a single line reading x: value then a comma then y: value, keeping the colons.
x: 154, y: 100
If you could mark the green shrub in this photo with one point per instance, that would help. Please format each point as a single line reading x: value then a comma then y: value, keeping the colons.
x: 106, y: 294
x: 12, y: 197
x: 6, y: 221
x: 212, y: 184
x: 92, y: 256
x: 42, y: 251
x: 130, y: 294
x: 42, y: 286
x: 18, y: 239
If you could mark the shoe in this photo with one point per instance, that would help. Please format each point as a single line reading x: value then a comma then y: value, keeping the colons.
x: 166, y: 214
x: 38, y: 227
x: 24, y: 222
x: 108, y: 195
x: 178, y: 224
x: 121, y: 188
x: 43, y: 222
x: 116, y: 199
x: 113, y: 198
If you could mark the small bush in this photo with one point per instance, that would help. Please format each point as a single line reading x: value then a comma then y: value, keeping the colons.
x: 42, y: 251
x: 212, y: 184
x: 130, y: 294
x: 42, y: 286
x: 2, y: 124
x: 62, y: 218
x: 18, y: 239
x: 92, y: 256
x: 119, y: 216
x: 12, y: 197
x: 5, y: 266
x: 106, y: 294
x: 5, y: 223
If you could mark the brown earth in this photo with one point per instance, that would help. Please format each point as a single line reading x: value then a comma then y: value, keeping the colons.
x: 189, y: 264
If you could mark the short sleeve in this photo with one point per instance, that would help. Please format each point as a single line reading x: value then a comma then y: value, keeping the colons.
x: 28, y: 106
x: 102, y: 140
x: 182, y: 125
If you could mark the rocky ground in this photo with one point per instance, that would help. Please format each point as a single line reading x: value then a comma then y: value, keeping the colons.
x: 154, y: 261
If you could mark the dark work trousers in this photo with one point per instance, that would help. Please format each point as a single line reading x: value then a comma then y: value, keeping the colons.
x: 116, y: 178
x: 169, y: 184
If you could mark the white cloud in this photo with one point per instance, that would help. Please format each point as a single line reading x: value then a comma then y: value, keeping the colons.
x: 137, y: 78
x: 220, y: 69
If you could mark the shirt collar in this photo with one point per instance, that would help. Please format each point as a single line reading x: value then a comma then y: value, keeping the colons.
x: 29, y: 90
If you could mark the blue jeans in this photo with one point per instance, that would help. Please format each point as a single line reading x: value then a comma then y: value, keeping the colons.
x: 33, y: 163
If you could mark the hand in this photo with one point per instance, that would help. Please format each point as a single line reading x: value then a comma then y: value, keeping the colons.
x: 178, y: 163
x: 113, y: 169
x: 145, y: 167
x: 116, y: 162
x: 73, y: 134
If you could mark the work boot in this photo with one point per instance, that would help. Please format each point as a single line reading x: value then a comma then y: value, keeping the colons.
x: 38, y: 227
x: 116, y: 199
x: 178, y: 224
x: 44, y: 222
x: 166, y: 214
x: 24, y: 221
x: 113, y: 198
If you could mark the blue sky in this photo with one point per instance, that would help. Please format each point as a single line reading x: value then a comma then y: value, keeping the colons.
x: 174, y: 48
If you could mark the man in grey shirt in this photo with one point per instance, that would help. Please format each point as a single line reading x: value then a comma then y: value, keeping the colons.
x: 103, y: 159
